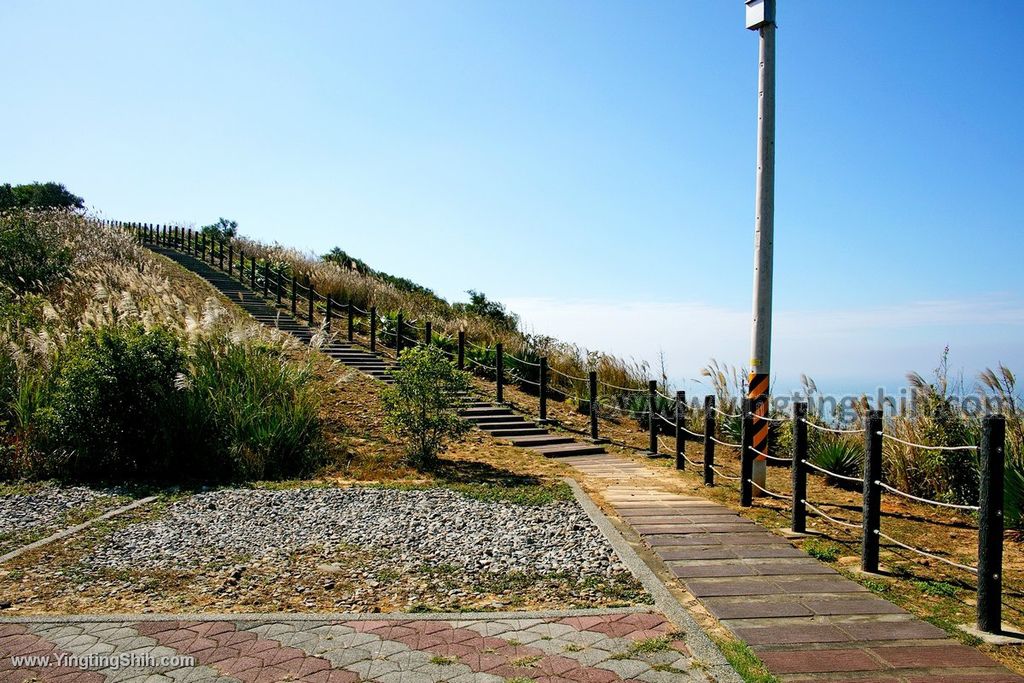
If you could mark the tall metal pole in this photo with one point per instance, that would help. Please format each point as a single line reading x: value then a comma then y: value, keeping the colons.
x: 761, y: 17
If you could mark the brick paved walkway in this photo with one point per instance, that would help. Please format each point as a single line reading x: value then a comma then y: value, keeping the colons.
x: 597, y: 647
x: 802, y: 618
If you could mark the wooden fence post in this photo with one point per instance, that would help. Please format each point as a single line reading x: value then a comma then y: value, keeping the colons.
x: 592, y: 383
x: 428, y: 333
x: 746, y: 455
x: 312, y: 299
x: 266, y: 279
x: 799, y: 469
x: 709, y: 442
x: 499, y: 370
x: 462, y: 349
x: 652, y: 422
x: 351, y: 321
x: 542, y: 380
x: 399, y: 324
x: 871, y: 512
x: 373, y: 328
x: 680, y: 434
x: 990, y: 524
x: 328, y: 313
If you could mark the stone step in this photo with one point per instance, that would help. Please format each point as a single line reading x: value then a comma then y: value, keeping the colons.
x: 568, y: 449
x: 494, y: 419
x: 487, y: 411
x: 540, y: 440
x: 522, y: 431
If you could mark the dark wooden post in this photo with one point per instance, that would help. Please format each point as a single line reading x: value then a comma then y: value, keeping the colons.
x: 428, y: 333
x: 294, y: 294
x: 202, y: 250
x: 280, y: 286
x: 499, y: 370
x: 543, y: 389
x: 373, y: 328
x: 746, y: 455
x: 990, y: 524
x: 351, y: 321
x: 709, y: 442
x: 462, y: 349
x: 680, y: 434
x: 592, y: 382
x: 872, y: 513
x: 252, y: 273
x: 221, y: 262
x: 231, y: 260
x: 399, y: 324
x: 312, y: 299
x: 328, y: 313
x: 266, y: 279
x: 652, y: 422
x: 799, y: 469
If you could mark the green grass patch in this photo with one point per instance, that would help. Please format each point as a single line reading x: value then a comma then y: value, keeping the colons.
x: 526, y: 661
x: 443, y: 661
x: 938, y: 589
x: 825, y: 551
x: 650, y: 645
x: 745, y: 662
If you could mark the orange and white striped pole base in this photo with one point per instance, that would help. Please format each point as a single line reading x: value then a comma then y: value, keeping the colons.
x: 758, y: 395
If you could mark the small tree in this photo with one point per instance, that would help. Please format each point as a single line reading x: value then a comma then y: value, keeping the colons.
x: 423, y: 404
x: 223, y: 229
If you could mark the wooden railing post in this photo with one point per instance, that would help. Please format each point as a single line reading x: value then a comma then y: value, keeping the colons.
x: 328, y: 313
x: 542, y: 380
x: 351, y: 321
x: 399, y: 324
x: 592, y: 402
x: 709, y: 441
x: 872, y: 512
x: 373, y: 328
x: 799, y: 468
x: 462, y: 349
x: 252, y: 273
x: 499, y: 370
x: 280, y: 285
x: 680, y: 434
x: 652, y: 417
x: 294, y: 294
x: 312, y: 300
x: 428, y: 333
x: 990, y: 524
x: 746, y: 455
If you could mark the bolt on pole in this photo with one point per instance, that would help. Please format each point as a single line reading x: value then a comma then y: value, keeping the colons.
x: 760, y: 17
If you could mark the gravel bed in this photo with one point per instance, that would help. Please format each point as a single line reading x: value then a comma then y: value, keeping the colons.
x: 44, y: 508
x: 433, y: 526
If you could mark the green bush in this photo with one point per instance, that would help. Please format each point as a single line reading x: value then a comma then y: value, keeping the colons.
x: 112, y: 410
x: 249, y: 412
x: 29, y: 260
x: 423, y: 404
x: 38, y: 196
x: 839, y: 455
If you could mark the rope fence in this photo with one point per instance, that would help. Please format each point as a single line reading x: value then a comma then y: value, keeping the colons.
x: 282, y: 287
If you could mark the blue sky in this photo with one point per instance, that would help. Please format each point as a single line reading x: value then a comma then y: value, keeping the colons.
x: 591, y: 164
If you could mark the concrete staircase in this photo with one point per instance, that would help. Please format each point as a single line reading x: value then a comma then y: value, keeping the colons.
x: 498, y: 420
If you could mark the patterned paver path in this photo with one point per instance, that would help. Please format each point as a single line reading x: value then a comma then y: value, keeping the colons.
x: 802, y: 618
x: 597, y: 647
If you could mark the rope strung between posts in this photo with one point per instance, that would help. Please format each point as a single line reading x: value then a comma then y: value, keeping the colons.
x: 769, y: 419
x: 829, y: 429
x: 670, y: 398
x: 820, y: 512
x: 925, y: 500
x: 723, y: 475
x: 524, y: 362
x: 486, y: 367
x: 476, y: 346
x: 770, y: 457
x: 695, y: 434
x: 622, y: 410
x: 572, y: 377
x: 615, y: 386
x: 725, y: 443
x: 666, y: 420
x: 528, y: 381
x: 831, y: 473
x: 770, y: 493
x: 929, y: 448
x: 973, y: 570
x: 695, y: 463
x: 725, y: 414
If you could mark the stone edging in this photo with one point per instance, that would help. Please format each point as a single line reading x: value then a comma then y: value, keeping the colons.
x: 71, y: 531
x: 702, y: 647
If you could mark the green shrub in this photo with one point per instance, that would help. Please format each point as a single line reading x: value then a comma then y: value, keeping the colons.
x: 423, y: 404
x: 839, y: 455
x: 113, y: 404
x: 249, y: 412
x: 822, y: 550
x: 30, y: 261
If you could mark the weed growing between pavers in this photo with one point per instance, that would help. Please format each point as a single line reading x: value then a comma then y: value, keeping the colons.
x: 745, y: 662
